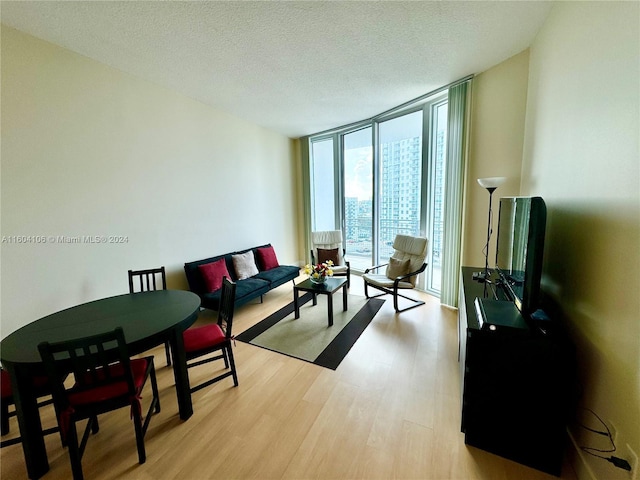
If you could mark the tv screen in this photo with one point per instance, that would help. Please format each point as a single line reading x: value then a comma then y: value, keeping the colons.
x: 519, y: 251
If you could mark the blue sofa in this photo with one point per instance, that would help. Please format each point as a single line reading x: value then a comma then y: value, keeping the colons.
x: 246, y: 289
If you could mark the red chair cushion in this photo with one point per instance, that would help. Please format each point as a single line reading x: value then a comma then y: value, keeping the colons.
x: 5, y: 383
x: 116, y: 389
x: 212, y: 274
x: 199, y: 338
x: 267, y: 257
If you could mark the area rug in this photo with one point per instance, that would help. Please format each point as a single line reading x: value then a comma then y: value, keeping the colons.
x: 310, y: 338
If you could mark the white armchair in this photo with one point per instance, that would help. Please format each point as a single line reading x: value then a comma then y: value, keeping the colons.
x: 406, y: 263
x: 327, y: 245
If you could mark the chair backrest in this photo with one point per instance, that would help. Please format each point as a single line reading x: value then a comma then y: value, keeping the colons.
x: 227, y: 305
x: 327, y: 240
x: 412, y: 248
x: 88, y: 359
x: 147, y: 280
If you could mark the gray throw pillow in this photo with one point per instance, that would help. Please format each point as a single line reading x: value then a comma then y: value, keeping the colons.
x: 244, y: 265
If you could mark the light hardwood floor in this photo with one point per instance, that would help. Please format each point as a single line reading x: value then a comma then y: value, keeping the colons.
x: 390, y: 410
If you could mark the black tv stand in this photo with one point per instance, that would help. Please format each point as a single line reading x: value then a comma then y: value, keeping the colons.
x: 515, y: 379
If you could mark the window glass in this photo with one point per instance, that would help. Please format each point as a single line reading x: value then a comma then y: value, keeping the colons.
x: 400, y: 180
x: 358, y: 196
x: 322, y: 185
x: 388, y: 182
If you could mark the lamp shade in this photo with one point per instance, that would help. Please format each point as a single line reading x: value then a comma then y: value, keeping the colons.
x: 491, y: 182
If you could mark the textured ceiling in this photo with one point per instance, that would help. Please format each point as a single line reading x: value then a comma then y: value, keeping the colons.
x: 296, y: 67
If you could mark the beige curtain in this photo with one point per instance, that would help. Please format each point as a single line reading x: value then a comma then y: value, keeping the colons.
x: 457, y: 140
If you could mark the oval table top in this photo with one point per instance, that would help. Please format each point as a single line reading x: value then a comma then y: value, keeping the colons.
x: 142, y: 316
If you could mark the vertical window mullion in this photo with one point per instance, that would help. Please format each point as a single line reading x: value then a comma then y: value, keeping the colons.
x: 338, y: 176
x: 375, y: 201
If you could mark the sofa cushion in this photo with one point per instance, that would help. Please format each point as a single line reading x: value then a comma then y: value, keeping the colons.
x: 246, y: 290
x: 212, y: 274
x: 194, y: 277
x: 279, y: 275
x: 267, y: 258
x: 245, y: 265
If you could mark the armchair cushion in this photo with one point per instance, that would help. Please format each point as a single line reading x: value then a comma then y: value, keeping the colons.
x: 245, y: 265
x: 396, y: 268
x: 212, y: 274
x: 328, y: 240
x: 380, y: 280
x: 329, y: 254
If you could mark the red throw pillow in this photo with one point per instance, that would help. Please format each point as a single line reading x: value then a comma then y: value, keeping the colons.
x: 267, y: 257
x: 212, y: 274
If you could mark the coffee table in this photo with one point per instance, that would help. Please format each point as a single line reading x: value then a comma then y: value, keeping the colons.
x: 328, y: 288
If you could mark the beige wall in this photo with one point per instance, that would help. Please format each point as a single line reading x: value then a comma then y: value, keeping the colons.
x: 582, y: 156
x: 88, y: 150
x: 495, y: 149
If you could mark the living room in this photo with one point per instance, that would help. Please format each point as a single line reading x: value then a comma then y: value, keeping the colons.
x: 88, y: 150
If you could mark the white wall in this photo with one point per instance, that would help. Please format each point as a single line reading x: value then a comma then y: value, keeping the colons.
x: 495, y: 149
x: 582, y: 156
x: 89, y: 150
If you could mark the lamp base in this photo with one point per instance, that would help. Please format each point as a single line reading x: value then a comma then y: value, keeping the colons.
x: 482, y: 277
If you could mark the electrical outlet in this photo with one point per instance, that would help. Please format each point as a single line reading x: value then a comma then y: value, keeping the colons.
x: 633, y: 461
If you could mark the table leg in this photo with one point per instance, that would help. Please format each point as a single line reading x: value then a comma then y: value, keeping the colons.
x: 344, y: 297
x: 26, y: 404
x: 330, y: 303
x: 296, y: 304
x: 181, y: 375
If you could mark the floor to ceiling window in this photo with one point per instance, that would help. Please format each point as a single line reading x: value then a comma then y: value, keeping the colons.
x: 388, y: 178
x: 357, y: 159
x: 323, y: 185
x: 399, y: 180
x: 436, y: 166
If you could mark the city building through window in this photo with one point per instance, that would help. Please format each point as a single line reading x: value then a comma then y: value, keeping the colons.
x: 380, y: 178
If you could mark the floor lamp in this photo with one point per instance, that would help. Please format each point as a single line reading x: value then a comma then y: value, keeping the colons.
x: 490, y: 183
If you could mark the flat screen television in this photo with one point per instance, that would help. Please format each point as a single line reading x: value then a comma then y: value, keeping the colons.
x: 520, y: 246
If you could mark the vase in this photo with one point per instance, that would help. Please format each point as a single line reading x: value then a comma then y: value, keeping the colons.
x: 318, y: 281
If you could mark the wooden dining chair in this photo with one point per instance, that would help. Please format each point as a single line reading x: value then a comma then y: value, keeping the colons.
x: 106, y: 379
x: 213, y: 338
x: 150, y: 280
x: 41, y: 389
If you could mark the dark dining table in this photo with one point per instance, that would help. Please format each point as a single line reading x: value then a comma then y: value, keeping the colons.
x: 147, y: 318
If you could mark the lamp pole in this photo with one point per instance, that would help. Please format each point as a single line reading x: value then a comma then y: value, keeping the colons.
x: 489, y: 231
x: 490, y: 183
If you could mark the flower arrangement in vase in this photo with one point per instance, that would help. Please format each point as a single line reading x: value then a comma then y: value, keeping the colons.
x: 319, y: 272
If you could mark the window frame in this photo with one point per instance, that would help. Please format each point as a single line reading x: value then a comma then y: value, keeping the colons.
x: 426, y: 104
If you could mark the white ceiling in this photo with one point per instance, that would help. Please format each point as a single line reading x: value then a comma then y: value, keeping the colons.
x: 296, y: 67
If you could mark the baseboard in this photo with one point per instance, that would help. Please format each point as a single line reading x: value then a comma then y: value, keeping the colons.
x: 578, y: 461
